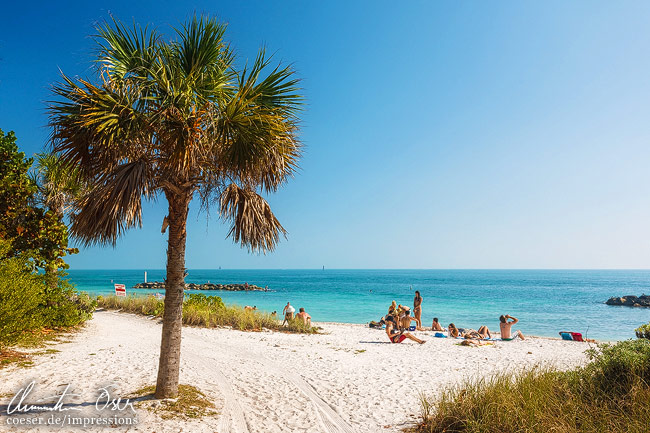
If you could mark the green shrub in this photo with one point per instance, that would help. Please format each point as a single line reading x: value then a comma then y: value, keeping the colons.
x: 63, y: 307
x: 201, y: 300
x: 20, y: 300
x: 643, y: 331
x: 610, y: 394
x: 28, y: 302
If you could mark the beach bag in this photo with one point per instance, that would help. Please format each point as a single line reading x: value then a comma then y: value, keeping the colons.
x: 411, y: 328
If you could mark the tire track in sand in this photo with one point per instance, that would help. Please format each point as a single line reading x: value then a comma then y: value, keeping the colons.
x: 329, y: 420
x: 232, y: 419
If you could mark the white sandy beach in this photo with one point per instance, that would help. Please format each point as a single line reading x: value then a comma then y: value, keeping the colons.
x: 273, y: 382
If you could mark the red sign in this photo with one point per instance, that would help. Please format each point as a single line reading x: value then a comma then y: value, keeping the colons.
x: 120, y: 290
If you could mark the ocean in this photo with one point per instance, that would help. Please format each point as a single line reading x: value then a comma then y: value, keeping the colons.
x: 544, y: 301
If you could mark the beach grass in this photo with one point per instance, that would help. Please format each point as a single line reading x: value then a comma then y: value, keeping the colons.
x: 205, y: 311
x: 190, y: 403
x: 610, y: 394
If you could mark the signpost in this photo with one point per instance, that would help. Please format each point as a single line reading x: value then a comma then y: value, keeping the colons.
x: 120, y: 290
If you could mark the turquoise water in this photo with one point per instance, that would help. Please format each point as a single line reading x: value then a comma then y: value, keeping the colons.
x: 544, y: 301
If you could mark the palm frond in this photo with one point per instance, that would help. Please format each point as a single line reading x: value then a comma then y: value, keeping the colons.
x: 114, y: 204
x: 253, y: 223
x: 125, y: 51
x: 96, y: 127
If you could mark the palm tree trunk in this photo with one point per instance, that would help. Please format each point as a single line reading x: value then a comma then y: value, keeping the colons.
x: 170, y: 346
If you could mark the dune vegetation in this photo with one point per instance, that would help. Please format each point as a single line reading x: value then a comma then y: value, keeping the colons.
x: 205, y: 311
x: 610, y: 394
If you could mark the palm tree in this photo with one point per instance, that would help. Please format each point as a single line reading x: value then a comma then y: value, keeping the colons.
x: 176, y: 118
x: 58, y: 183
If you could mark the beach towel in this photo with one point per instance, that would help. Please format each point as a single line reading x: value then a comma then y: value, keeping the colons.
x: 577, y: 336
x: 439, y: 335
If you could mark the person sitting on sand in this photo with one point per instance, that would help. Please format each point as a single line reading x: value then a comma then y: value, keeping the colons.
x: 453, y: 331
x: 405, y: 317
x: 435, y: 326
x: 302, y: 315
x: 392, y: 310
x: 396, y: 336
x: 274, y: 313
x: 288, y: 313
x: 506, y: 328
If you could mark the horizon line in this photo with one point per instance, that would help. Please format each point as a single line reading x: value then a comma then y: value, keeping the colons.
x: 364, y: 269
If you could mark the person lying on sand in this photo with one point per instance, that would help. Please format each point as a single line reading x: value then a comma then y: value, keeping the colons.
x: 482, y: 333
x: 249, y: 308
x: 396, y: 336
x: 474, y: 343
x: 506, y: 328
x: 453, y: 331
x: 302, y: 315
x: 435, y: 326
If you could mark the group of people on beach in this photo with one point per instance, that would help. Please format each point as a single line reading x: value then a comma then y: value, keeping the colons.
x: 399, y: 318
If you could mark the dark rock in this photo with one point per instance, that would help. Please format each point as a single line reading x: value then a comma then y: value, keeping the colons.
x: 160, y: 285
x: 630, y: 301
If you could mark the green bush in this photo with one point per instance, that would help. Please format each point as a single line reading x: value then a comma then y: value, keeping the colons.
x: 20, y: 300
x: 28, y: 302
x: 610, y: 394
x: 63, y: 307
x: 201, y: 300
x: 643, y: 331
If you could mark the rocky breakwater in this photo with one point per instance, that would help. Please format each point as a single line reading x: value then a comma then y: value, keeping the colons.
x: 160, y: 285
x: 630, y: 301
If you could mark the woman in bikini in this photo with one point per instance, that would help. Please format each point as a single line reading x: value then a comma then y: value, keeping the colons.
x: 397, y: 337
x: 453, y: 331
x: 417, y: 310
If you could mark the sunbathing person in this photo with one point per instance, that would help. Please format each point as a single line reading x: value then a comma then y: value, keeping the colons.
x: 392, y: 310
x: 471, y: 334
x: 302, y: 315
x: 453, y: 331
x: 484, y: 332
x: 506, y: 328
x: 435, y: 326
x: 396, y: 336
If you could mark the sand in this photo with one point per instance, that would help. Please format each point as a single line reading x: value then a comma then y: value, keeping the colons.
x: 345, y: 380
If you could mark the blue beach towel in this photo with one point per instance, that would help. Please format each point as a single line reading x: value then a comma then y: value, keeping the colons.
x: 439, y: 335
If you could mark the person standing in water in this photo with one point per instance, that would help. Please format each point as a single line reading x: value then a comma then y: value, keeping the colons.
x: 417, y: 310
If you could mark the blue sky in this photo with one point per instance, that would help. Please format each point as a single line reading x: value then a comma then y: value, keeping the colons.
x: 438, y: 134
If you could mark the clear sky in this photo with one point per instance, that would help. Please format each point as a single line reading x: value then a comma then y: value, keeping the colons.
x: 438, y: 134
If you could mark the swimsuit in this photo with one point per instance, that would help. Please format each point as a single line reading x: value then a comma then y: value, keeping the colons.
x: 399, y: 338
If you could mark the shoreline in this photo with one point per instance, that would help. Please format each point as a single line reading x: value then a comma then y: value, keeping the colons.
x: 280, y: 382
